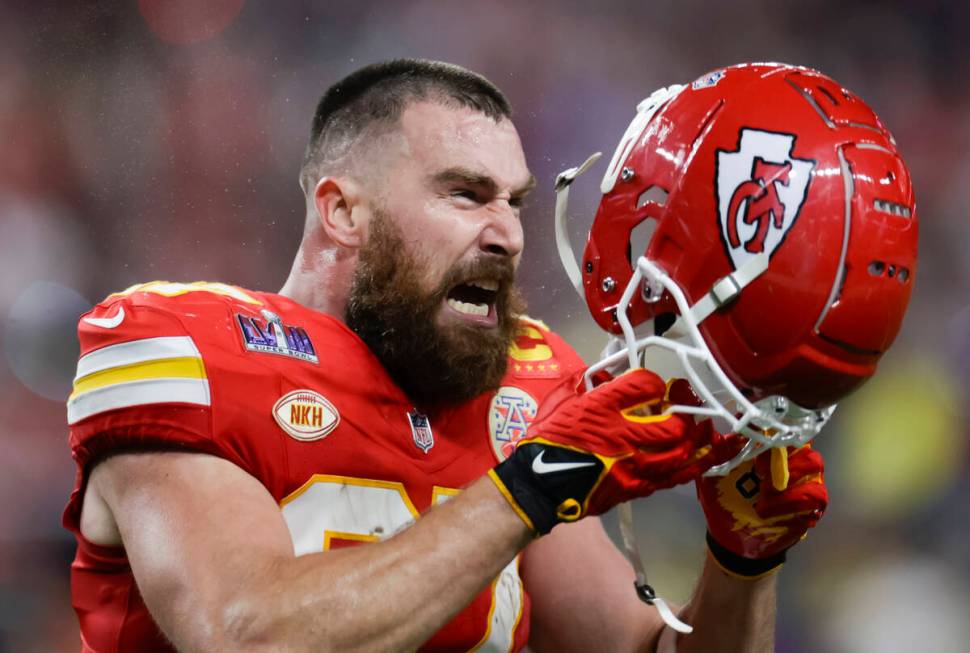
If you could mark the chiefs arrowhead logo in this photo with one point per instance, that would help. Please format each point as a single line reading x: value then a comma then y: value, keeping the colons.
x: 760, y: 191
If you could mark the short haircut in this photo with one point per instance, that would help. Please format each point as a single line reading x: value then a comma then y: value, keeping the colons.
x: 376, y: 96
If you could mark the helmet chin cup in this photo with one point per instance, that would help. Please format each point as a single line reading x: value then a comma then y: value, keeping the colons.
x: 681, y: 352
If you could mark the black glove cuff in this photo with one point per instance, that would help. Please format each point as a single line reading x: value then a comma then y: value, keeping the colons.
x: 749, y: 568
x: 539, y: 513
x: 550, y: 490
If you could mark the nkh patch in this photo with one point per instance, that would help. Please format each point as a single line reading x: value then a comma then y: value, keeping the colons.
x: 306, y: 415
x: 421, y: 430
x: 270, y: 336
x: 509, y: 416
x: 760, y: 191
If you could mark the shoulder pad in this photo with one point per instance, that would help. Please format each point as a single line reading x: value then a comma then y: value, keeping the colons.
x: 531, y: 321
x: 172, y: 289
x: 537, y: 352
x: 137, y: 351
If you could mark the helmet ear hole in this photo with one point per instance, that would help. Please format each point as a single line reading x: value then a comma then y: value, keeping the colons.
x: 654, y: 194
x: 640, y: 238
x: 663, y: 322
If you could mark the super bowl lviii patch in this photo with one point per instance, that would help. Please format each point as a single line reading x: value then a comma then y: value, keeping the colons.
x: 269, y: 335
x: 509, y: 416
x: 306, y: 415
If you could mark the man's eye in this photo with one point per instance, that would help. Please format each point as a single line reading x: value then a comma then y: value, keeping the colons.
x: 465, y: 194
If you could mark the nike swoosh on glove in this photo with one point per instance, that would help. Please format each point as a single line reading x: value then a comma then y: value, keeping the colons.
x: 589, y: 451
x: 762, y: 508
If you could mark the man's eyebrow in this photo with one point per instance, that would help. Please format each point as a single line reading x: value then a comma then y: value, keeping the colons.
x: 472, y: 178
x: 526, y: 189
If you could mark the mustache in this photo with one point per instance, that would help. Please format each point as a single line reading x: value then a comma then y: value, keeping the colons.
x: 486, y: 266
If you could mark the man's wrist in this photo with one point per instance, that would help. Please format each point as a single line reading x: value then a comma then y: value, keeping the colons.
x: 507, y: 493
x: 741, y: 567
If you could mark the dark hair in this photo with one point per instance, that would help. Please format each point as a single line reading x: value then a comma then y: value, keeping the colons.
x: 380, y: 92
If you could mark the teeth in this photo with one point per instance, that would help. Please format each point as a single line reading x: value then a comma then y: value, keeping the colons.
x: 468, y: 309
x: 484, y: 284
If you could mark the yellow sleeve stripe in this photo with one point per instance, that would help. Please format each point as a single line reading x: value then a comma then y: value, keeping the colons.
x: 181, y: 368
x: 166, y: 369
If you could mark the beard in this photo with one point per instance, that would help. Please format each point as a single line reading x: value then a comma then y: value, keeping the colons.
x: 396, y: 317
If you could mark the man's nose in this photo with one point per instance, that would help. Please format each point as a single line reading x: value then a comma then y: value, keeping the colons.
x: 502, y: 234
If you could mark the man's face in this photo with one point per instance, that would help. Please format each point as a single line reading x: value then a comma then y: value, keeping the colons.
x: 433, y: 292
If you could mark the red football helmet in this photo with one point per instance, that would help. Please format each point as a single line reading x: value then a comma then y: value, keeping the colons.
x: 783, y: 251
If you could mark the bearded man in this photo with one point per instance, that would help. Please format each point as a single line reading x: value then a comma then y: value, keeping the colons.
x: 322, y: 469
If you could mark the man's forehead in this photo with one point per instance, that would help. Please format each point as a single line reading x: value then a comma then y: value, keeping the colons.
x: 440, y: 137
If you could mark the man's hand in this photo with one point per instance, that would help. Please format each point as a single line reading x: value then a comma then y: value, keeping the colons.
x: 593, y: 450
x: 762, y: 508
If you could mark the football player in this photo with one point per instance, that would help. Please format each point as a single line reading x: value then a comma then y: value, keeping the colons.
x: 325, y: 468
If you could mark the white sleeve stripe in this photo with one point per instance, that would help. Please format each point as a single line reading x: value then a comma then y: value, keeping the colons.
x: 138, y: 393
x: 136, y: 351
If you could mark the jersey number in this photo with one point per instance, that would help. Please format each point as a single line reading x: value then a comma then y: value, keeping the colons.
x: 333, y: 511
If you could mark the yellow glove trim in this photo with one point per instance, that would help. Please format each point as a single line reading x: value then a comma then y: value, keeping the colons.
x: 512, y: 502
x: 569, y: 510
x: 779, y: 468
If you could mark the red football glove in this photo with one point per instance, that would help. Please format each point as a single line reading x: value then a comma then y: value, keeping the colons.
x: 762, y: 508
x: 587, y: 452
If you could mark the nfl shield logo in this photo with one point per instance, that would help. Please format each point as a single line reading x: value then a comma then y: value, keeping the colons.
x: 421, y: 430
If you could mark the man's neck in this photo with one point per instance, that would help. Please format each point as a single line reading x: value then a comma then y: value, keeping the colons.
x: 320, y: 278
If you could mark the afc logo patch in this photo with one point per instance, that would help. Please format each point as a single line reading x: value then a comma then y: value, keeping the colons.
x: 509, y: 416
x: 760, y: 189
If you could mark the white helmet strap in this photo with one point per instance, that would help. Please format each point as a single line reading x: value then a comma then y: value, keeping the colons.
x: 727, y: 288
x: 645, y: 112
x: 563, y: 181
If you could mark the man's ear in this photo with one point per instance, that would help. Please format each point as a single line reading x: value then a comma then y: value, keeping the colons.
x: 338, y: 204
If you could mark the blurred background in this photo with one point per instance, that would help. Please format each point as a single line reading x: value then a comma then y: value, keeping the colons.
x: 161, y: 139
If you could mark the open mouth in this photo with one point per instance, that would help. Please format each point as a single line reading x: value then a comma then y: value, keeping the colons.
x: 474, y: 299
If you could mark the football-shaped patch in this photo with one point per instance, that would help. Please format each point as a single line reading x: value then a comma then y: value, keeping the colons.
x: 306, y: 415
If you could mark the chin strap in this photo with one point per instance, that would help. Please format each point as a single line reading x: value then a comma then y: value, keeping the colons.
x: 727, y: 288
x: 563, y: 181
x: 644, y: 591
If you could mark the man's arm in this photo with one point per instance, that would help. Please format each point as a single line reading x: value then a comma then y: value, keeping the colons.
x: 213, y: 558
x: 728, y: 614
x: 583, y: 600
x: 582, y: 593
x: 214, y: 561
x: 755, y: 514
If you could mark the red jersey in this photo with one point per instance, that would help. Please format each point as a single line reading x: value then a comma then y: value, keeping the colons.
x: 298, y: 401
